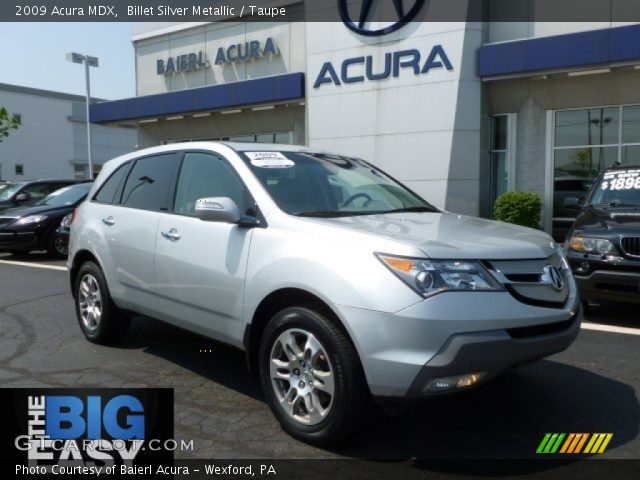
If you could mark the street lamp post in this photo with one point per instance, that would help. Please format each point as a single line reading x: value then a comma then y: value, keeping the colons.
x: 88, y: 61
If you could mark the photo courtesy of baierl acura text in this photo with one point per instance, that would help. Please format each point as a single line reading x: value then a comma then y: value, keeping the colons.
x: 320, y: 239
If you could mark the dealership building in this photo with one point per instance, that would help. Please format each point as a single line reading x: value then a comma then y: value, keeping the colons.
x: 458, y: 111
x: 51, y: 141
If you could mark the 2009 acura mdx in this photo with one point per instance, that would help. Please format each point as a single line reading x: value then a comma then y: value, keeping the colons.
x: 337, y: 281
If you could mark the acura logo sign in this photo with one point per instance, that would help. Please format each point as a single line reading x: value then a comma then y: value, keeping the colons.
x: 553, y: 276
x: 405, y: 10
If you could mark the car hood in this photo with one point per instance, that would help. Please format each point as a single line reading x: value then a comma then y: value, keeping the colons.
x: 610, y: 221
x: 34, y: 210
x: 450, y: 236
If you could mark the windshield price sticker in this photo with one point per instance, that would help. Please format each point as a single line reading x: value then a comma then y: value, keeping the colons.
x: 621, y: 180
x: 269, y: 160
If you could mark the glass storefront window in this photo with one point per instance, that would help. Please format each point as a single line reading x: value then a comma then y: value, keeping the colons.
x: 631, y: 124
x: 585, y: 142
x: 499, y: 155
x: 593, y: 126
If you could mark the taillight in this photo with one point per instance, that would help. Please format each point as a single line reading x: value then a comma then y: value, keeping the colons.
x: 73, y: 215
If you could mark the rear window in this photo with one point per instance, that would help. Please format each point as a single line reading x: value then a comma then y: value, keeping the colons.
x: 108, y: 190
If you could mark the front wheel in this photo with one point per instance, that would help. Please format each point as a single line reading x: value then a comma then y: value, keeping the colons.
x: 311, y: 376
x: 56, y: 247
x: 100, y: 319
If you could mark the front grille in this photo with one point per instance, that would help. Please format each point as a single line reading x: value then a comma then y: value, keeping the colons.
x: 538, y: 330
x: 6, y: 220
x: 630, y: 246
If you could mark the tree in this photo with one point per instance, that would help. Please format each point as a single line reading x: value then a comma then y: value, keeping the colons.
x: 7, y: 122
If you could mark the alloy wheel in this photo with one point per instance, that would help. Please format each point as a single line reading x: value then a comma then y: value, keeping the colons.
x: 90, y: 302
x: 302, y: 376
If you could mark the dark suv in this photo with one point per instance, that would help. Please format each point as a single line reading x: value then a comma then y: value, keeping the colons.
x: 18, y: 194
x: 603, y: 245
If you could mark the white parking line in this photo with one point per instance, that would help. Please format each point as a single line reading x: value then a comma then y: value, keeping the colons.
x: 34, y: 265
x: 610, y: 328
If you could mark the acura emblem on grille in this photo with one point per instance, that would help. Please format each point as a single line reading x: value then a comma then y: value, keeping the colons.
x: 553, y: 276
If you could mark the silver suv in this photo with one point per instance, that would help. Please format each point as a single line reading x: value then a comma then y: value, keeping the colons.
x: 339, y: 283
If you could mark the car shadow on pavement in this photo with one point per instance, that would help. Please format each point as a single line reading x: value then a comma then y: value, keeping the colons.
x: 617, y: 314
x: 504, y: 419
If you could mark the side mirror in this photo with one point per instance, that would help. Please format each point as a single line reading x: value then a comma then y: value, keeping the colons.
x: 22, y: 197
x: 571, y: 203
x: 217, y: 209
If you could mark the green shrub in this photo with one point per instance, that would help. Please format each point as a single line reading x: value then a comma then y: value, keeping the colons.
x: 521, y: 208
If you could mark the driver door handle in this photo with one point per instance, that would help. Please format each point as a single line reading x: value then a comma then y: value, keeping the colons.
x: 108, y: 220
x: 171, y: 235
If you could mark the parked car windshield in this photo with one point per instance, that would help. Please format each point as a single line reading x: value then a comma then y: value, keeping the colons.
x: 7, y: 190
x: 66, y: 196
x: 618, y: 188
x: 325, y: 185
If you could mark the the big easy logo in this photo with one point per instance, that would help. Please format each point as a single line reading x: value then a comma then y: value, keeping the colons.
x: 57, y: 427
x: 357, y: 69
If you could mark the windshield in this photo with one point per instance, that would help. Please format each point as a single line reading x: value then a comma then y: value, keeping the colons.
x: 318, y: 184
x: 7, y: 190
x: 66, y: 196
x: 618, y: 188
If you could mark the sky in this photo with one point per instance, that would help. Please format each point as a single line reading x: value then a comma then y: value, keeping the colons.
x: 33, y: 55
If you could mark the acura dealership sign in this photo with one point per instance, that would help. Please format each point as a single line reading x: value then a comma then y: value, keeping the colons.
x: 237, y: 52
x: 357, y: 69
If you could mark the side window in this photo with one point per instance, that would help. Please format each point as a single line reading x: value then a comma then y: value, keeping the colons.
x: 37, y: 191
x: 149, y: 182
x: 208, y: 175
x: 109, y: 189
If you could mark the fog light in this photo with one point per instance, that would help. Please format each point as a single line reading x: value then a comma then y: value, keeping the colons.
x: 442, y: 384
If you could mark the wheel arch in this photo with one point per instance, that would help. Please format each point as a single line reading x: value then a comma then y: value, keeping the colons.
x: 279, y: 300
x: 81, y: 257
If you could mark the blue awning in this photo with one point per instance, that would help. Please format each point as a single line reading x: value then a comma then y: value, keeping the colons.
x: 574, y: 50
x: 279, y: 88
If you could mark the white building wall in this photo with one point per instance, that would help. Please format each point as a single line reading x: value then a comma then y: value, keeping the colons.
x: 52, y: 137
x: 422, y: 129
x: 289, y: 39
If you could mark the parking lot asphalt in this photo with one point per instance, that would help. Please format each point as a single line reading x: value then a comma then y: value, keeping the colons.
x: 591, y: 387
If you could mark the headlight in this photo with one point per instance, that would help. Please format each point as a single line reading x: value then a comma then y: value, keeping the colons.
x: 30, y: 219
x: 591, y: 245
x: 561, y: 252
x: 66, y: 221
x: 428, y: 277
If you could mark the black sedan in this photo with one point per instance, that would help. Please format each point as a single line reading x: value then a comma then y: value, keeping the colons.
x: 603, y: 245
x: 24, y: 229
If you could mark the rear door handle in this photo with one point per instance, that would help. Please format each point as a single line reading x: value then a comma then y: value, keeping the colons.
x: 172, y: 235
x: 109, y: 220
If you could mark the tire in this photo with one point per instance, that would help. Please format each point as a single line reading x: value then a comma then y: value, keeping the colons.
x: 332, y: 413
x: 55, y: 248
x: 108, y: 324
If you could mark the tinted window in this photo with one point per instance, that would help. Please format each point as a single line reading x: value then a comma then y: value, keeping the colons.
x: 37, y: 191
x: 147, y: 186
x: 107, y: 192
x: 206, y: 175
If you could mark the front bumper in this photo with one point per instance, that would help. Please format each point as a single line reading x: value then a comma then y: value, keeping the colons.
x: 19, y: 240
x: 610, y: 286
x: 456, y: 333
x: 612, y: 279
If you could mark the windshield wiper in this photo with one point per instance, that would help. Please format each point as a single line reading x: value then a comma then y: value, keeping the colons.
x: 616, y: 204
x: 412, y: 209
x: 329, y: 214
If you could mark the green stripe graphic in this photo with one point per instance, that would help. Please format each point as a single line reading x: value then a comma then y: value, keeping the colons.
x: 543, y: 443
x: 557, y: 444
x: 550, y: 443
